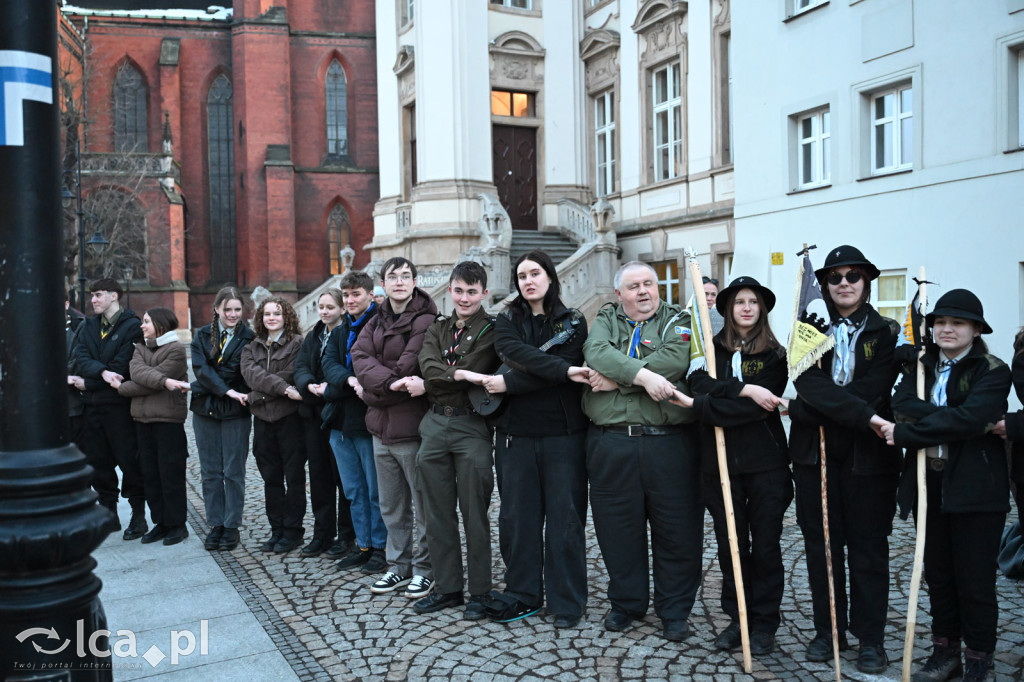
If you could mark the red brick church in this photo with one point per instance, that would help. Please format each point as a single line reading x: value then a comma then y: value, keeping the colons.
x: 237, y: 144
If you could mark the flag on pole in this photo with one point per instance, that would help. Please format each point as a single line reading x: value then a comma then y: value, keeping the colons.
x: 696, y: 332
x: 809, y: 338
x: 910, y: 335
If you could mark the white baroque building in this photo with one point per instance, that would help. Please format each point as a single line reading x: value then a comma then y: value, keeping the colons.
x: 601, y: 123
x: 896, y: 126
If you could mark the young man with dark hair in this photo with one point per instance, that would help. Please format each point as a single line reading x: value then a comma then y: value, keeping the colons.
x: 386, y: 364
x: 105, y: 347
x: 350, y: 439
x: 454, y: 463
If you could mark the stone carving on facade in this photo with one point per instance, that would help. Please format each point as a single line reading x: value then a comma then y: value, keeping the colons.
x: 722, y: 16
x: 517, y: 56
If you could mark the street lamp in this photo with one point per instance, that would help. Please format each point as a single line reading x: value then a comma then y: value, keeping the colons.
x: 127, y: 272
x: 347, y: 255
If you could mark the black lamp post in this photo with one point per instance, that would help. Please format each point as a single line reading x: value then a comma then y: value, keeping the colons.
x: 49, y: 520
x: 127, y: 272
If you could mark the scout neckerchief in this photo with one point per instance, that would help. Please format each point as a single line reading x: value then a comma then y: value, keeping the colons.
x: 846, y: 332
x: 450, y: 355
x: 634, y: 340
x: 737, y: 365
x: 942, y: 371
x: 107, y: 326
x: 353, y: 331
x: 223, y: 341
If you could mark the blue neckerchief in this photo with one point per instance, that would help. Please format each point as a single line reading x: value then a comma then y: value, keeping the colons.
x: 942, y: 372
x: 353, y: 330
x: 841, y: 373
x: 634, y: 340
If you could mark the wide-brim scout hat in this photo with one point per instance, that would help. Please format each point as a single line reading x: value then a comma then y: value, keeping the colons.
x: 960, y: 303
x: 744, y: 283
x: 846, y: 255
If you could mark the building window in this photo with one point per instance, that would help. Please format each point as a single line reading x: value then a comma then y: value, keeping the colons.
x: 804, y: 5
x: 507, y: 103
x: 890, y: 294
x: 221, y: 161
x: 604, y: 142
x: 892, y: 130
x: 516, y: 4
x: 335, y: 89
x: 339, y: 235
x: 130, y: 111
x: 410, y: 122
x: 814, y: 149
x: 405, y: 12
x: 668, y: 123
x: 669, y: 286
x: 1020, y: 97
x: 725, y: 97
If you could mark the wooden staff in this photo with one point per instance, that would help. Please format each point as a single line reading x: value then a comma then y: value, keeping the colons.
x: 723, y: 465
x: 921, y: 514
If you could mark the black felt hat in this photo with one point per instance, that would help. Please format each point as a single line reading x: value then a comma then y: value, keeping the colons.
x: 744, y: 283
x: 960, y: 303
x: 846, y: 255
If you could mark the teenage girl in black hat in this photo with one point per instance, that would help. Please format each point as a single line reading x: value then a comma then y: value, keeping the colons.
x: 967, y: 482
x: 751, y: 370
x: 849, y: 396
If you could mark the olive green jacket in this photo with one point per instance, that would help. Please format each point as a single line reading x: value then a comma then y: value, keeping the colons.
x: 664, y: 350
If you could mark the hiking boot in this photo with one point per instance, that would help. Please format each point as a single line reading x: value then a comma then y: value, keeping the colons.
x: 943, y: 664
x: 137, y: 526
x: 977, y: 666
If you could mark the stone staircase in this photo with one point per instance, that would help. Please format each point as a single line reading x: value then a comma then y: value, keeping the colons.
x: 554, y: 244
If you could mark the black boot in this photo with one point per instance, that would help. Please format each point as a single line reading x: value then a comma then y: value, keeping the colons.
x: 943, y: 664
x: 977, y: 666
x: 137, y: 526
x: 112, y: 506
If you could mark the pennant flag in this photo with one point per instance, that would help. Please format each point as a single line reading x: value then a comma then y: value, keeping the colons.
x: 911, y: 332
x: 697, y: 360
x: 809, y: 339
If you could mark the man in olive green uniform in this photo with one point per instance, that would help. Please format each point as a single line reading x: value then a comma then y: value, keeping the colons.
x: 455, y: 459
x: 642, y: 457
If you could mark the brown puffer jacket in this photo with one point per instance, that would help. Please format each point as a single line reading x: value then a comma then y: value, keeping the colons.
x: 152, y: 364
x: 269, y: 370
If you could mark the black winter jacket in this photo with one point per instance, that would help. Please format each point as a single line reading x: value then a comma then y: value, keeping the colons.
x: 344, y: 411
x: 541, y: 400
x: 94, y: 355
x: 975, y: 476
x: 1015, y: 420
x: 76, y: 321
x: 309, y: 370
x: 845, y: 411
x: 214, y: 380
x: 755, y: 440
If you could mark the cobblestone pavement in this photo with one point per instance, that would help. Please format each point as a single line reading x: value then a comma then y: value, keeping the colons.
x: 330, y: 627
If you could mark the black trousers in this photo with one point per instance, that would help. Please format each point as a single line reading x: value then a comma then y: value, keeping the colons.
x: 162, y: 454
x: 639, y: 481
x: 860, y: 513
x: 542, y: 482
x: 279, y: 449
x: 109, y: 441
x: 332, y: 513
x: 760, y: 500
x: 960, y: 568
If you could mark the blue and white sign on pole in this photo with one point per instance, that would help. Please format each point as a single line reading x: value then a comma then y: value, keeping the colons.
x: 23, y: 76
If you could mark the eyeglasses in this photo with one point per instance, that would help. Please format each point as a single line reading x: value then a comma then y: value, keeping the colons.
x: 394, y: 279
x: 709, y: 280
x: 851, y: 276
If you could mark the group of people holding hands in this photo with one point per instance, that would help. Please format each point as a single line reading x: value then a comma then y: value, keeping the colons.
x: 404, y: 417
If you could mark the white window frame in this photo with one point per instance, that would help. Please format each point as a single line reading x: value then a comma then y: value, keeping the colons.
x: 901, y: 304
x: 672, y: 108
x: 819, y: 141
x: 804, y: 5
x: 896, y: 119
x: 406, y: 12
x: 673, y: 285
x: 604, y: 142
x: 511, y: 4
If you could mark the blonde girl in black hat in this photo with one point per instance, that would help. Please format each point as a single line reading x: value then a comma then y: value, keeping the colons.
x: 751, y: 370
x: 848, y: 396
x: 967, y: 482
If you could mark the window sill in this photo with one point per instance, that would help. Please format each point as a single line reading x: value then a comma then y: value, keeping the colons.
x: 593, y: 8
x: 804, y: 12
x: 515, y: 10
x: 1014, y: 150
x: 811, y: 188
x: 886, y: 174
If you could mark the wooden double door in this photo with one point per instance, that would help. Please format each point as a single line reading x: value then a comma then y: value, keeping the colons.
x: 514, y: 154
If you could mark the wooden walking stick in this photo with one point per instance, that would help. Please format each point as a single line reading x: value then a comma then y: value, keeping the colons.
x: 723, y: 465
x: 828, y: 555
x: 921, y: 513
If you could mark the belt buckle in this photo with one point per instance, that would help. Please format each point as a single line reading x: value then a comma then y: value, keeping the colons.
x: 449, y: 411
x: 635, y: 430
x: 936, y: 464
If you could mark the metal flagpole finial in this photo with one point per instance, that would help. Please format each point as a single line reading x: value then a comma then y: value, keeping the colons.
x: 806, y: 250
x: 690, y: 252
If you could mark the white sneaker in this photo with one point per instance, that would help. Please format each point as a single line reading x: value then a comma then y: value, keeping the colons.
x: 419, y: 587
x: 388, y: 582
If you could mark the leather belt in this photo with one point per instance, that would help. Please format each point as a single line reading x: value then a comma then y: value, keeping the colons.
x: 450, y: 411
x: 642, y: 430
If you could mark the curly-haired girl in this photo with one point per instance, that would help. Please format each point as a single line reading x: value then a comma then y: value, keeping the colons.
x: 268, y: 366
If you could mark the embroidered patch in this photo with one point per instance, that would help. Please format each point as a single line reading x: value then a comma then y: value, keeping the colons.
x: 683, y: 332
x: 869, y: 349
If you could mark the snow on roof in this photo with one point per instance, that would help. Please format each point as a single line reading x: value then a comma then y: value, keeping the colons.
x: 211, y: 13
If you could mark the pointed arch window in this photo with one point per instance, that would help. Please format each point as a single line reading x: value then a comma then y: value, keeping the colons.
x: 221, y: 171
x: 336, y: 91
x: 130, y: 111
x: 339, y: 233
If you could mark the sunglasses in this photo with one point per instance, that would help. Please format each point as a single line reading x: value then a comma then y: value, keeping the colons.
x: 710, y: 280
x: 851, y: 276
